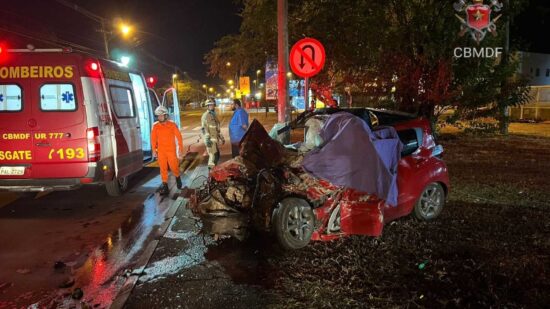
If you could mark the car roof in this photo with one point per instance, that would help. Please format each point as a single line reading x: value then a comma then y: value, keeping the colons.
x: 385, y: 117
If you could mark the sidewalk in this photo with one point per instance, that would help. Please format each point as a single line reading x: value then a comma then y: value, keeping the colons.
x: 188, y: 269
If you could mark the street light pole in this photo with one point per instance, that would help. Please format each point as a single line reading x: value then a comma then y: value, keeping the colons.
x: 504, y: 109
x: 282, y: 68
x: 257, y: 80
x: 205, y: 87
x: 92, y: 16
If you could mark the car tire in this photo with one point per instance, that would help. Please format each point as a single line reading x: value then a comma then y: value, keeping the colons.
x: 116, y: 186
x: 293, y: 223
x: 430, y: 203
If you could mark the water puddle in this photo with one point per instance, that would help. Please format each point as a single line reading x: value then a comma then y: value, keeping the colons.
x: 105, y: 270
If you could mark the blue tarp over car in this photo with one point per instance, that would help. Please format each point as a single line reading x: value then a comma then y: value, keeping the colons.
x: 354, y: 156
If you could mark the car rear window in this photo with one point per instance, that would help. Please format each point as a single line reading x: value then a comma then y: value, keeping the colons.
x: 11, y: 98
x: 411, y: 139
x: 123, y: 101
x: 57, y: 97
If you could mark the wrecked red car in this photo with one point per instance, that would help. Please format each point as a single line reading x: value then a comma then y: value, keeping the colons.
x: 355, y: 171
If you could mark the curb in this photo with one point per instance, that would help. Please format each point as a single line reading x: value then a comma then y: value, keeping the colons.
x: 128, y: 286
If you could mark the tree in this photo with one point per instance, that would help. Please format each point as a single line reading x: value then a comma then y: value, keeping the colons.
x: 398, y: 51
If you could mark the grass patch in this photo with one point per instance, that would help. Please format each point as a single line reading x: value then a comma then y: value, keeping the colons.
x: 489, y: 248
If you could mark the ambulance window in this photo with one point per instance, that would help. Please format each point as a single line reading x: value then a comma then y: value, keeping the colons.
x: 10, y: 98
x: 57, y: 97
x: 123, y: 102
x: 154, y: 98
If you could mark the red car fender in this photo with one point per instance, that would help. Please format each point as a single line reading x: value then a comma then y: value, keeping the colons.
x: 322, y: 215
x: 413, y: 175
x: 361, y: 214
x: 416, y: 171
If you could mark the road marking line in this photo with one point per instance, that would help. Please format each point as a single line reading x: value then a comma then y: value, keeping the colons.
x: 196, y: 128
x: 185, y: 128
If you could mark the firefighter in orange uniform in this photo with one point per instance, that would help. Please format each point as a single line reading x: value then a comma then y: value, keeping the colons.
x: 163, y: 141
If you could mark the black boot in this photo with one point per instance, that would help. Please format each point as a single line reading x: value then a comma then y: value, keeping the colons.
x: 163, y: 189
x: 178, y: 182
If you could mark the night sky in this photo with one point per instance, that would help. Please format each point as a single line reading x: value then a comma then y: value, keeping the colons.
x: 530, y: 29
x: 180, y: 32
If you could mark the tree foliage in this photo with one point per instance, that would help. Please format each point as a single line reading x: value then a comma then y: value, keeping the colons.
x: 397, y: 51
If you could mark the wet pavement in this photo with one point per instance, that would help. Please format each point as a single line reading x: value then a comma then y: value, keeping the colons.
x: 189, y: 269
x: 76, y: 239
x: 84, y: 249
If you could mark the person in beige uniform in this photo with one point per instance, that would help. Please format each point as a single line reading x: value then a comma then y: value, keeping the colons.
x: 211, y: 133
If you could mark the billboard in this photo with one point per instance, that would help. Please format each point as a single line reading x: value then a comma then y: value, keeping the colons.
x: 244, y: 85
x: 271, y: 80
x: 296, y: 93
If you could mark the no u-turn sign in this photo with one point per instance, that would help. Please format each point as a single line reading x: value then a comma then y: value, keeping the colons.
x: 307, y: 57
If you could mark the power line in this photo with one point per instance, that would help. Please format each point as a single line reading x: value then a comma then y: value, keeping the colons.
x: 56, y: 42
x: 64, y: 43
x: 39, y: 24
x: 82, y: 11
x: 102, y: 21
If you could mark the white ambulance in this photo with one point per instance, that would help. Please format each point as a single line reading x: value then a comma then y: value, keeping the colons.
x: 68, y: 119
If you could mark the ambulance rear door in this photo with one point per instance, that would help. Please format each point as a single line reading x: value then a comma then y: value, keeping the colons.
x: 127, y: 148
x: 15, y: 130
x: 59, y: 121
x: 170, y: 101
x: 145, y: 115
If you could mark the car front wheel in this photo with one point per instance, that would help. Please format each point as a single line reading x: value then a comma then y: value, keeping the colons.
x: 293, y: 223
x: 430, y: 203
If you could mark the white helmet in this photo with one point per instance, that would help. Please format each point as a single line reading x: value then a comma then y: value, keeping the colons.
x: 210, y: 102
x: 161, y: 110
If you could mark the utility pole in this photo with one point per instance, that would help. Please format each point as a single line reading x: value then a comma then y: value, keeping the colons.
x: 105, y: 39
x: 504, y: 110
x: 282, y: 45
x: 91, y: 16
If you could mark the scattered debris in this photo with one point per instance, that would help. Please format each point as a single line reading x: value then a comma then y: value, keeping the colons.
x: 422, y: 265
x: 77, y: 294
x: 69, y: 282
x: 5, y: 285
x: 137, y: 272
x: 23, y: 271
x: 59, y: 265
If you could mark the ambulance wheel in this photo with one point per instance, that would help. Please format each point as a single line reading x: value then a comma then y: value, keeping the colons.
x: 117, y: 186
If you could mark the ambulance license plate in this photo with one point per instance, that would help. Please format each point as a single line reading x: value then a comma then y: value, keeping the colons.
x: 12, y: 170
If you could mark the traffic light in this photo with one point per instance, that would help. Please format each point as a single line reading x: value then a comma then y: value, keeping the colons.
x: 151, y: 81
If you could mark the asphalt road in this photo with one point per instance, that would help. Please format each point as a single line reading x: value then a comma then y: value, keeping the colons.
x: 55, y: 245
x: 64, y: 238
